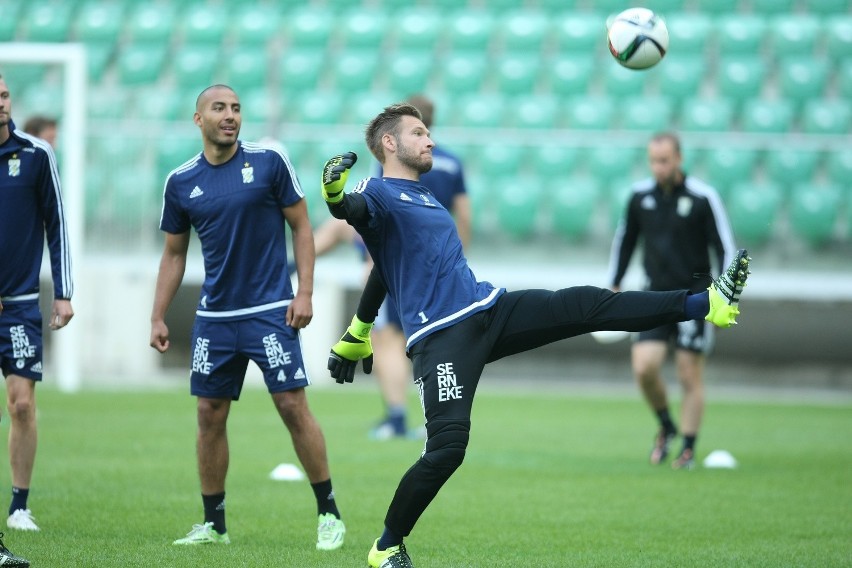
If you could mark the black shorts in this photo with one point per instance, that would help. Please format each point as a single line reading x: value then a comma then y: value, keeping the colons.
x: 692, y: 335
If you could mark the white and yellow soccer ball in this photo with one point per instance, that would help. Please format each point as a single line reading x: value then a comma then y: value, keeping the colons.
x: 638, y: 38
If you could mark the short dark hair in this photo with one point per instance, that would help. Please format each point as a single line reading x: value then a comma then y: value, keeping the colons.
x: 387, y: 122
x: 36, y: 125
x: 669, y: 136
x: 426, y: 107
x: 216, y: 86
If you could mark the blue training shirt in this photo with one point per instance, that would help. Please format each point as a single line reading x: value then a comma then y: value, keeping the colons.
x: 428, y: 277
x: 30, y: 207
x: 235, y: 208
x: 446, y: 178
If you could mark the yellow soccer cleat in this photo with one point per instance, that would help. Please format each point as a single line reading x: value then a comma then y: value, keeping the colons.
x: 725, y: 291
x: 393, y: 557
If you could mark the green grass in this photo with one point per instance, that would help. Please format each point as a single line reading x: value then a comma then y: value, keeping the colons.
x: 550, y: 480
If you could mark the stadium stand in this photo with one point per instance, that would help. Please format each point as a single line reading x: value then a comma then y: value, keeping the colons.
x: 759, y: 89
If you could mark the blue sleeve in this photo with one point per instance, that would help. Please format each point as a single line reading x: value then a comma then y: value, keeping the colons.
x: 53, y: 211
x: 174, y: 218
x: 286, y: 185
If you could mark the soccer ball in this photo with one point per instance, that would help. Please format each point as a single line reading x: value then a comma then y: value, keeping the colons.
x: 638, y: 38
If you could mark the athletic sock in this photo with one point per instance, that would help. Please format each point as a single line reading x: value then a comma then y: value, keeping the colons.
x: 697, y: 306
x: 214, y: 511
x: 325, y: 498
x: 666, y: 421
x: 388, y: 539
x: 19, y: 499
x: 396, y: 418
x: 689, y: 442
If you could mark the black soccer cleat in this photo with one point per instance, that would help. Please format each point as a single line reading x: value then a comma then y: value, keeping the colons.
x: 660, y: 451
x: 8, y: 558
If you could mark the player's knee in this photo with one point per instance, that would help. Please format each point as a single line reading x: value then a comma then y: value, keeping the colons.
x: 446, y: 445
x: 21, y: 409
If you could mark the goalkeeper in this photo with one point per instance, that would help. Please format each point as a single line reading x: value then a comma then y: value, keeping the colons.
x: 453, y: 323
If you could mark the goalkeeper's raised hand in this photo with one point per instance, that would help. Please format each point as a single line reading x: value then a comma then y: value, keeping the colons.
x: 353, y: 346
x: 334, y: 176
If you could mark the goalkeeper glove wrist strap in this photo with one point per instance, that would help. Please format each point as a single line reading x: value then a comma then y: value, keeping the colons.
x: 360, y: 329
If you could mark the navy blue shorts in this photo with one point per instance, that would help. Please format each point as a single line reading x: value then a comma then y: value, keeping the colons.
x: 692, y: 335
x: 20, y: 340
x: 221, y: 351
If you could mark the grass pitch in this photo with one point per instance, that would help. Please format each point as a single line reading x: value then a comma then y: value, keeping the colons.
x: 551, y: 479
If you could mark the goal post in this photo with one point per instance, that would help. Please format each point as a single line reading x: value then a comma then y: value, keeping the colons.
x: 71, y: 57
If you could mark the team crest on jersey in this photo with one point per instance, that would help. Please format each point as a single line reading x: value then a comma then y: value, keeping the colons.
x: 684, y: 206
x: 648, y: 202
x: 14, y: 166
x: 248, y: 173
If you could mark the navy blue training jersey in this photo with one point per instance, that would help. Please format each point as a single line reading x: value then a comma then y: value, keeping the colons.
x: 30, y: 207
x: 236, y: 209
x: 446, y: 178
x: 434, y: 287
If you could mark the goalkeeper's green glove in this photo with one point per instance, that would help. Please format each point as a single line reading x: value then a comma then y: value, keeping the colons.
x: 334, y: 176
x: 355, y: 345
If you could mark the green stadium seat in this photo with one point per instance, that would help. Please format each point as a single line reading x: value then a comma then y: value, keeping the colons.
x: 551, y: 6
x: 844, y: 79
x: 463, y: 72
x: 607, y: 163
x: 106, y: 102
x: 803, y: 78
x: 481, y: 111
x: 768, y: 7
x: 619, y: 191
x: 364, y: 106
x: 838, y: 36
x: 141, y: 63
x: 689, y: 33
x: 98, y: 22
x: 195, y: 66
x: 256, y: 24
x: 158, y: 102
x: 839, y: 165
x: 408, y: 71
x: 572, y: 207
x: 518, y: 206
x: 610, y: 6
x: 793, y: 34
x: 827, y: 116
x: 740, y: 33
x: 98, y: 56
x: 741, y: 77
x: 827, y: 7
x: 681, y: 77
x: 549, y: 158
x: 47, y: 21
x: 136, y: 198
x: 418, y: 28
x: 790, y: 166
x: 257, y: 106
x: 753, y: 210
x: 363, y: 28
x: 470, y: 30
x: 666, y: 6
x: 516, y: 73
x: 523, y: 31
x: 813, y: 213
x: 569, y: 75
x: 580, y: 33
x: 620, y: 80
x: 720, y: 7
x: 501, y: 160
x: 174, y: 150
x: 589, y: 113
x: 766, y: 116
x: 11, y: 10
x: 299, y: 69
x: 726, y: 166
x: 651, y: 114
x: 706, y: 115
x: 355, y: 69
x: 41, y: 98
x: 203, y: 24
x: 247, y: 67
x: 150, y: 22
x: 318, y: 107
x: 534, y: 111
x: 309, y: 27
